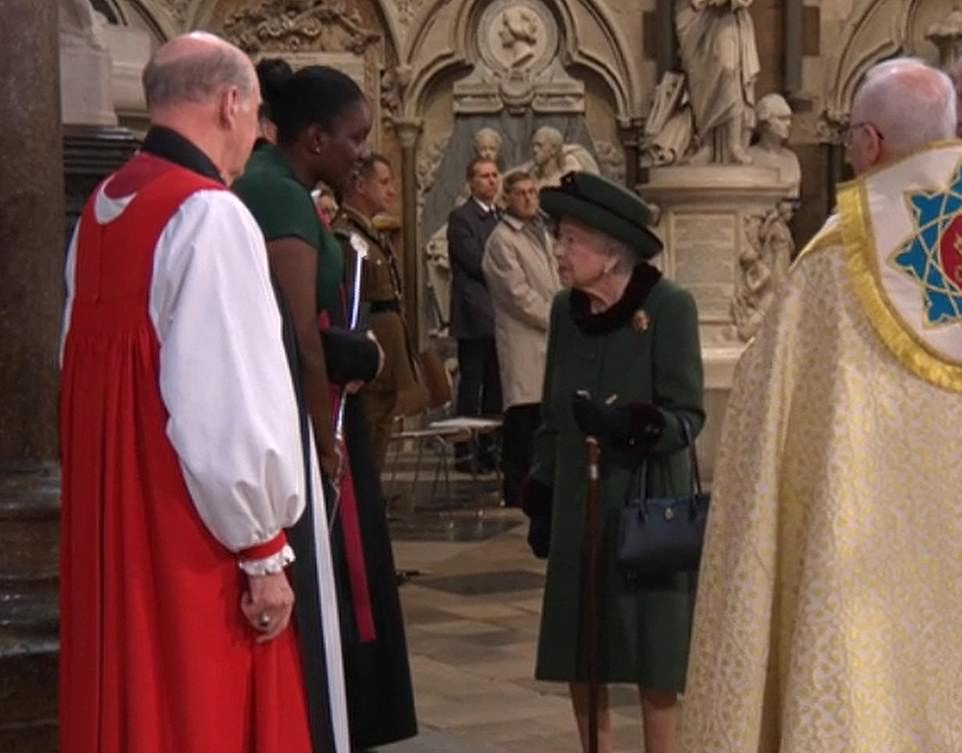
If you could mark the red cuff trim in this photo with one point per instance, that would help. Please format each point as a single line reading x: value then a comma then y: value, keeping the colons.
x: 265, y: 550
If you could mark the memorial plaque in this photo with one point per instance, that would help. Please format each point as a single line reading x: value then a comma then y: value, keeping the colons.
x: 704, y: 248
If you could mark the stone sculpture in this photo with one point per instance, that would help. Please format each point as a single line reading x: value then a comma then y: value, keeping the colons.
x: 763, y: 265
x: 774, y: 123
x: 707, y: 116
x: 551, y: 158
x: 80, y: 25
x: 716, y: 40
x: 487, y: 145
x: 519, y: 35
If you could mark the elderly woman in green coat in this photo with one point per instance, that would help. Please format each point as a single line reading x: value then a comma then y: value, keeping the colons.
x: 624, y: 365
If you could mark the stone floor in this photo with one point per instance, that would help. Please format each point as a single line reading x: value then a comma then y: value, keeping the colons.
x: 472, y: 611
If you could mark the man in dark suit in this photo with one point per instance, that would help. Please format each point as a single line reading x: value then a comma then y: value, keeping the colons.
x: 472, y: 317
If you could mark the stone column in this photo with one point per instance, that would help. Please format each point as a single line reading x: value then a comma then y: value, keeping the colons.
x: 31, y: 296
x: 792, y: 29
x: 629, y: 132
x: 667, y: 53
x: 407, y: 130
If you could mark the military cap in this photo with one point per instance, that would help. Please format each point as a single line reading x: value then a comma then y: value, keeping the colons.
x: 606, y: 206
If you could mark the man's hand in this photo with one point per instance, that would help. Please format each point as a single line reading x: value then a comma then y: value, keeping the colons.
x: 267, y: 604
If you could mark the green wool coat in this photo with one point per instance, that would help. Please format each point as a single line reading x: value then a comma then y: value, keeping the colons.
x: 644, y: 624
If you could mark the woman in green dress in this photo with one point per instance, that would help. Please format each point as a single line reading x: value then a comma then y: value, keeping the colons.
x: 624, y: 365
x: 323, y: 120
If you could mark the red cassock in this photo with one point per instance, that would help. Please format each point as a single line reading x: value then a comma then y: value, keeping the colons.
x: 156, y: 656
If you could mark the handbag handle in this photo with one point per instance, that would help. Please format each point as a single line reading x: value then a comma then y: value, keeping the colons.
x: 692, y: 456
x: 694, y: 482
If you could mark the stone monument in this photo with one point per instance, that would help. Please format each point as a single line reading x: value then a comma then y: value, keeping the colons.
x: 85, y: 76
x: 705, y: 114
x: 724, y: 201
x: 551, y: 158
x: 774, y: 123
x: 946, y: 35
x: 519, y: 107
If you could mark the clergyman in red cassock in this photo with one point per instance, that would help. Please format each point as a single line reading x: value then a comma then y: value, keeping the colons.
x: 183, y: 450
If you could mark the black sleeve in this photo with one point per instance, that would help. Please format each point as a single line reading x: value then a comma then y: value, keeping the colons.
x: 464, y: 250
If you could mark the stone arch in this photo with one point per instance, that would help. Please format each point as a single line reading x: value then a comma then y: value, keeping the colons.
x: 442, y: 44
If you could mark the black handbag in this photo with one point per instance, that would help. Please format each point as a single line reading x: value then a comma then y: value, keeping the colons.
x: 663, y: 535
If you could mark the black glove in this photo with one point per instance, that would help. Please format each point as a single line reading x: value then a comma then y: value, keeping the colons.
x: 349, y: 356
x: 631, y: 425
x: 536, y: 501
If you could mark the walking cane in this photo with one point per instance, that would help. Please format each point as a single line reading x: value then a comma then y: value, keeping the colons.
x: 592, y: 571
x: 360, y: 254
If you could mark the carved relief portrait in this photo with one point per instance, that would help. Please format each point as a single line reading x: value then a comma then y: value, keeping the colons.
x: 517, y: 35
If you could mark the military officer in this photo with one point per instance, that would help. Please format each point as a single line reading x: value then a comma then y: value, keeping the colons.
x: 397, y: 391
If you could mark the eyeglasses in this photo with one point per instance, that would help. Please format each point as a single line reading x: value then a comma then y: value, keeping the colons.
x: 849, y: 133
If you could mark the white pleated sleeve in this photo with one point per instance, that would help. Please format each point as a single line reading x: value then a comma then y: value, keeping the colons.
x: 224, y: 378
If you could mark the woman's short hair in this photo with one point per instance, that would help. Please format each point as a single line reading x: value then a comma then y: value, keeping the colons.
x: 313, y: 95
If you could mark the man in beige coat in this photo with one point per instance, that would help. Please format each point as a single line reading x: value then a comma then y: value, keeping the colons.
x: 522, y: 278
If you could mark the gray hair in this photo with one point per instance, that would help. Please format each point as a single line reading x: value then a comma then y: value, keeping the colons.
x: 196, y: 77
x: 910, y: 103
x: 621, y: 250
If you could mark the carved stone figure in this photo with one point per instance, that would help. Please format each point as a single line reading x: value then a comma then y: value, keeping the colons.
x: 774, y: 117
x: 551, y: 158
x: 519, y: 66
x: 487, y: 144
x: 80, y: 25
x: 86, y: 97
x: 764, y: 264
x: 611, y: 160
x: 519, y: 35
x: 668, y: 128
x: 716, y: 39
x: 946, y: 35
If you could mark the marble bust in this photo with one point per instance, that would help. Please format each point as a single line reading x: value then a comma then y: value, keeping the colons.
x: 487, y: 144
x: 551, y: 158
x: 774, y: 123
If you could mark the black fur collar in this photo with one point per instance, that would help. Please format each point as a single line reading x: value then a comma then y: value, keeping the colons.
x: 643, y: 279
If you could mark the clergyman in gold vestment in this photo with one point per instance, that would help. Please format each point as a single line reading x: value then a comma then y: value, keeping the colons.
x: 829, y: 609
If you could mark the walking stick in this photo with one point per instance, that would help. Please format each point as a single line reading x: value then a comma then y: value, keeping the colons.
x: 592, y: 572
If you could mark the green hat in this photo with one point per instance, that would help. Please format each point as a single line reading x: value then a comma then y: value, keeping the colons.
x: 606, y: 206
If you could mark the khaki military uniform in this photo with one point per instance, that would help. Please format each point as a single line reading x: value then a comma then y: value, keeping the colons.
x: 397, y: 390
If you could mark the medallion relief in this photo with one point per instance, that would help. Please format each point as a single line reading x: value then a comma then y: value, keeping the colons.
x: 518, y: 65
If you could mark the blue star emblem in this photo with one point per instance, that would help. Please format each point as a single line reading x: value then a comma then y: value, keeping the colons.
x: 933, y: 256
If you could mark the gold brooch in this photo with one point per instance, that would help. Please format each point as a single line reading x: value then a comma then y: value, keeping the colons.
x: 640, y: 321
